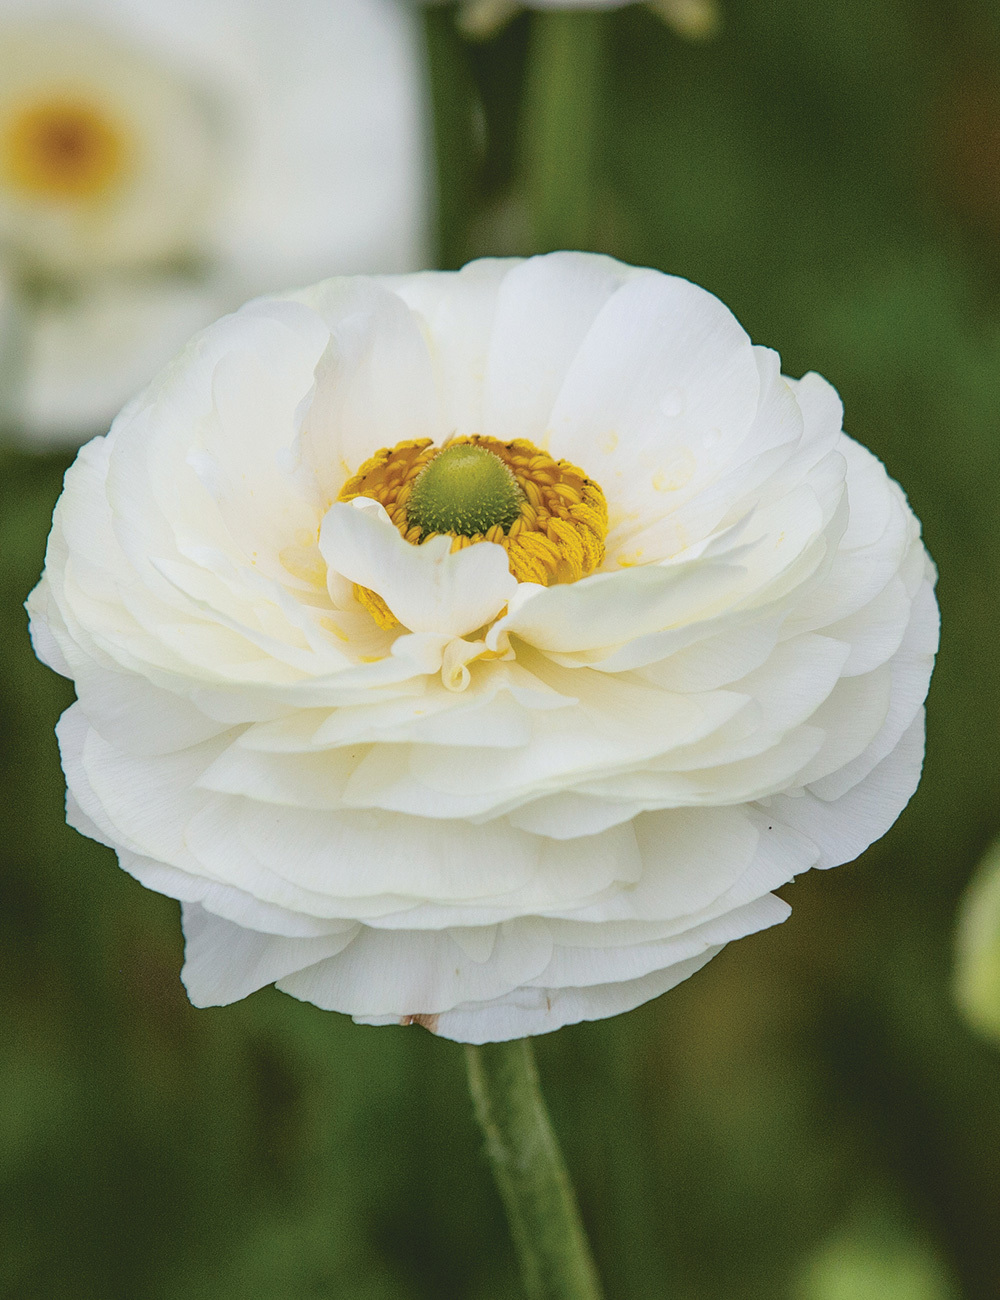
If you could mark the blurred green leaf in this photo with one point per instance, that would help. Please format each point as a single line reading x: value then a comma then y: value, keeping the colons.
x: 874, y: 1256
x: 977, y: 968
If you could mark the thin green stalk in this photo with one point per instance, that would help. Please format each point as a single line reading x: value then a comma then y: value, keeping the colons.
x: 562, y: 108
x: 14, y: 329
x: 555, y: 1257
x: 452, y: 96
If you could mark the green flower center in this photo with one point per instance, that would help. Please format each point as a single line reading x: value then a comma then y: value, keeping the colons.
x: 465, y: 490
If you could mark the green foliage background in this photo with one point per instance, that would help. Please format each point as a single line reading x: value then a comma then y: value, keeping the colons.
x: 807, y: 1118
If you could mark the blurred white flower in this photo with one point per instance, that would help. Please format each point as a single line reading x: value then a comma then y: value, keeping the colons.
x: 160, y: 163
x: 696, y: 19
x: 673, y: 652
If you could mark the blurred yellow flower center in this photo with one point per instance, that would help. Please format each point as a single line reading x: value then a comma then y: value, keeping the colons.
x: 63, y: 149
x: 549, y: 517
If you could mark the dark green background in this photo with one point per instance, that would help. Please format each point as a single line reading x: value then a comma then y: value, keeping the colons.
x: 810, y: 1103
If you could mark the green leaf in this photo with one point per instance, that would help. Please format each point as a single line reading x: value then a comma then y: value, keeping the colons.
x: 977, y: 968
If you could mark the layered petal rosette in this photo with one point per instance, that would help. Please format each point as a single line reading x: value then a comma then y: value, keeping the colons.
x: 162, y: 162
x: 482, y: 648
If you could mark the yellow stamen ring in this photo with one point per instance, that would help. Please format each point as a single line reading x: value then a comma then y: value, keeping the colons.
x: 558, y: 536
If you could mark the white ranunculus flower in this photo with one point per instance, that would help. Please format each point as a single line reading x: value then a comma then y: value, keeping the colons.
x: 673, y: 652
x: 160, y: 163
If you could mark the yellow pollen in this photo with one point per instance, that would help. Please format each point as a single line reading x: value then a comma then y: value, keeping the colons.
x: 558, y: 536
x: 62, y: 149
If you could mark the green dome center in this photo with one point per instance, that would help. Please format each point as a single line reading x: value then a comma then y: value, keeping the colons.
x: 464, y: 490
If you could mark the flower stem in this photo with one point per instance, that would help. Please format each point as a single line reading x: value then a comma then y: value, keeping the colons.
x: 562, y: 103
x: 555, y: 1257
x: 453, y: 98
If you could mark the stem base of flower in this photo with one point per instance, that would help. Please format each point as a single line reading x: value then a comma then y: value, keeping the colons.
x: 541, y: 1207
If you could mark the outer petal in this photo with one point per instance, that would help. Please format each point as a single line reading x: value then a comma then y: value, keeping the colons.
x: 539, y: 1011
x: 845, y: 827
x: 419, y: 973
x: 225, y: 962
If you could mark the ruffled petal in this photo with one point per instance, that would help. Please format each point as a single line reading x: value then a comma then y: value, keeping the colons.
x: 540, y: 1011
x: 428, y: 588
x: 413, y: 973
x: 224, y: 962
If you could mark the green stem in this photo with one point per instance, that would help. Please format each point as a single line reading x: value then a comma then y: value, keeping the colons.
x: 555, y: 1258
x: 15, y: 324
x: 452, y: 97
x: 562, y: 104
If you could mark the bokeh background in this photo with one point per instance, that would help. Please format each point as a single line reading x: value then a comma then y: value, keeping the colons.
x: 808, y: 1118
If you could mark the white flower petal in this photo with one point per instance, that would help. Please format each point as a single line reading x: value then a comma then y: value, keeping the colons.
x: 83, y: 359
x: 139, y: 717
x: 539, y: 1011
x: 409, y: 973
x: 456, y: 316
x: 664, y: 369
x: 224, y: 962
x: 582, y: 965
x: 844, y: 827
x: 911, y: 672
x: 429, y: 588
x: 334, y: 172
x: 374, y: 383
x: 609, y: 609
x: 545, y: 307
